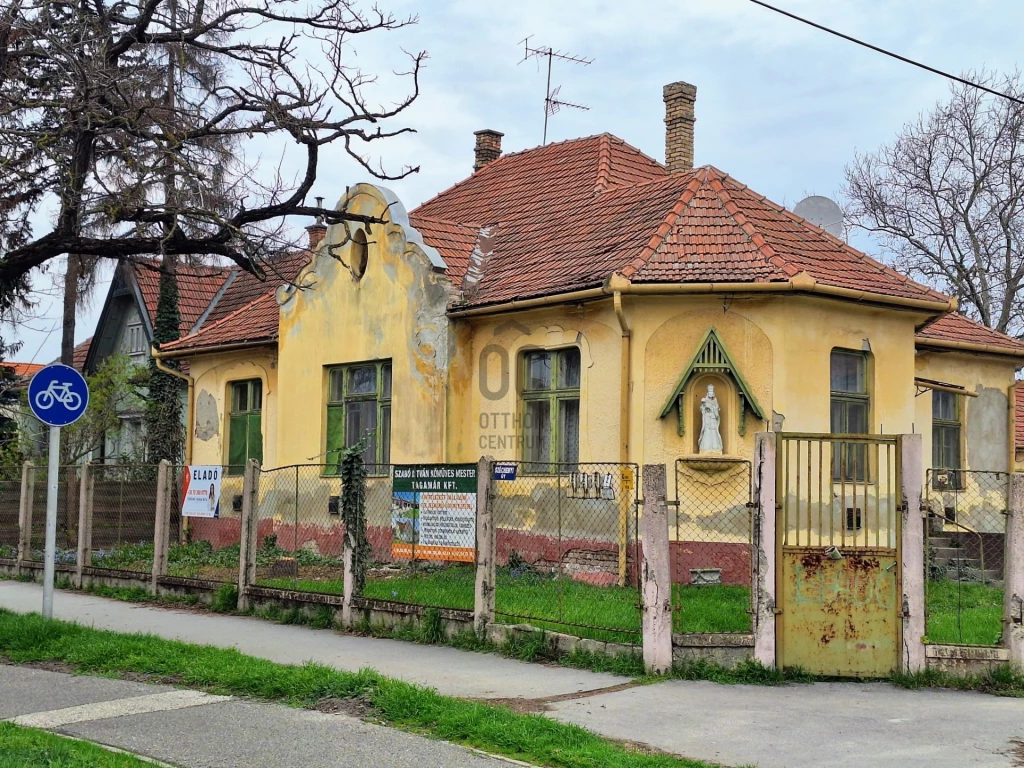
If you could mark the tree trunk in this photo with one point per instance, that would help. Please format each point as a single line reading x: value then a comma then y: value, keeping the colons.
x: 72, y: 275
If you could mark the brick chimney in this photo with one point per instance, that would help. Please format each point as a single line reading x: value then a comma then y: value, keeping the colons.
x: 679, y: 119
x: 317, y: 230
x: 488, y: 147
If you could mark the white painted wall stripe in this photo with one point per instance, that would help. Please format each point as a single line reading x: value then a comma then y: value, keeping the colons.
x: 101, y: 710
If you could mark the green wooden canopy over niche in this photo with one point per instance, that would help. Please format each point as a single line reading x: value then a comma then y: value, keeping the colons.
x: 712, y: 357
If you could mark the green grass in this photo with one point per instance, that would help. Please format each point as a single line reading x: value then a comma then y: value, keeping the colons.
x: 964, y: 613
x: 998, y: 681
x: 533, y: 738
x: 722, y: 608
x: 29, y: 748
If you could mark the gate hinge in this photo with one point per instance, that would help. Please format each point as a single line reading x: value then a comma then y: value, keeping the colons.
x: 777, y: 611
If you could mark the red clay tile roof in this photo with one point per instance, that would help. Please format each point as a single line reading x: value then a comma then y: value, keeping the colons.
x: 569, y: 215
x: 246, y: 288
x: 23, y: 369
x: 254, y: 322
x: 455, y: 242
x: 957, y: 328
x: 197, y: 287
x: 81, y: 352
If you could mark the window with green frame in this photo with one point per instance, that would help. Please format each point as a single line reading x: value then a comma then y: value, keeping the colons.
x: 245, y: 424
x: 550, y: 386
x: 946, y: 429
x: 851, y: 407
x: 359, y: 407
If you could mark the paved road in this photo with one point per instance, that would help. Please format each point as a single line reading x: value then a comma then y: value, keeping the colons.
x: 839, y: 725
x: 197, y: 730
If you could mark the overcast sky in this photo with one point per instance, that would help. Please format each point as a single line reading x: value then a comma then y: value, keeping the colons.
x: 780, y: 106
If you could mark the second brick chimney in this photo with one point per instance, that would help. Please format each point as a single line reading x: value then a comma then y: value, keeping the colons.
x: 679, y: 119
x: 488, y: 147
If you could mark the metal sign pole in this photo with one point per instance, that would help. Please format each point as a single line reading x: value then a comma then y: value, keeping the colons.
x: 51, y: 522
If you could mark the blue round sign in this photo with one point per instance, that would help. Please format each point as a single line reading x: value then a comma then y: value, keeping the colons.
x: 58, y: 395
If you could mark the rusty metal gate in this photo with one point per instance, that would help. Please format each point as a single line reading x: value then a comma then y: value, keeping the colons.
x: 838, y: 553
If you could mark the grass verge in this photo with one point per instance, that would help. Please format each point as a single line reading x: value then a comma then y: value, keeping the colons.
x: 30, y: 748
x: 533, y: 738
x: 998, y: 681
x: 964, y: 612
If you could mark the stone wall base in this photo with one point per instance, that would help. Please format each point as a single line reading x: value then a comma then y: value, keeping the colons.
x: 725, y: 650
x: 965, y: 660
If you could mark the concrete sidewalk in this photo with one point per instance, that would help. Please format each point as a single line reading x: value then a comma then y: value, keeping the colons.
x: 839, y: 725
x: 197, y: 730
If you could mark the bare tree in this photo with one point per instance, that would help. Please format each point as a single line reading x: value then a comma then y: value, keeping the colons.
x: 87, y: 130
x: 947, y: 199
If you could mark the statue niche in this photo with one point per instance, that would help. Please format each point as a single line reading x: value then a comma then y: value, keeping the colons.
x: 713, y: 397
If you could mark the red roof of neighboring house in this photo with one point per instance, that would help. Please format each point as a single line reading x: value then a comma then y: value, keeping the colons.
x: 247, y: 312
x: 957, y: 328
x: 80, y: 353
x: 567, y: 216
x: 23, y: 369
x: 197, y: 286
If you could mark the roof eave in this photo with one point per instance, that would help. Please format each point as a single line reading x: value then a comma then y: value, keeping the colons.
x: 209, y: 348
x: 946, y: 345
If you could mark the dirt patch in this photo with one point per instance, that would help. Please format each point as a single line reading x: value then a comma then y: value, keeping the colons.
x: 544, y: 703
x: 46, y: 666
x: 1017, y: 753
x: 359, y: 707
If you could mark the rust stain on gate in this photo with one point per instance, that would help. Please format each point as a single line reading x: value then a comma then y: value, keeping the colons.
x: 838, y: 549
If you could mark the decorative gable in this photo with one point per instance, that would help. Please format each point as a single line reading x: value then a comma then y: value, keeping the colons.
x: 712, y: 357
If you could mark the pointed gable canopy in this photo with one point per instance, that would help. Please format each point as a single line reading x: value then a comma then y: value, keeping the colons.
x: 712, y: 357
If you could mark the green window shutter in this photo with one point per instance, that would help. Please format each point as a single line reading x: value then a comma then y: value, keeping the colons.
x: 335, y: 435
x: 237, y: 439
x: 255, y: 437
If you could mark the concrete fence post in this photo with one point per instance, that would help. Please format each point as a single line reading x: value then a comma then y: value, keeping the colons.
x: 249, y: 529
x: 162, y: 523
x: 912, y: 548
x: 1013, y: 566
x: 655, y: 573
x: 85, y: 494
x: 28, y: 492
x: 763, y: 596
x: 349, y: 584
x: 486, y: 556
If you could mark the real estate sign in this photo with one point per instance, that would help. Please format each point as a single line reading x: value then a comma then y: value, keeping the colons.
x: 200, y: 496
x: 433, y: 512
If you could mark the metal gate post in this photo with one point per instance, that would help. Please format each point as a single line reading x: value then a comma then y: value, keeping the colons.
x: 1013, y: 591
x: 763, y: 594
x: 912, y: 659
x: 655, y: 574
x: 483, y: 600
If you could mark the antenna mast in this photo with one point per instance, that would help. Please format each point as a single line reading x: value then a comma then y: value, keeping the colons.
x: 551, y: 101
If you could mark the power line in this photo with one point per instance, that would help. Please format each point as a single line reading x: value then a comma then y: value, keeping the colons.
x: 896, y: 56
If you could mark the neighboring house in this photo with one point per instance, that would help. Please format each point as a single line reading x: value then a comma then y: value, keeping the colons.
x: 572, y: 303
x: 126, y: 324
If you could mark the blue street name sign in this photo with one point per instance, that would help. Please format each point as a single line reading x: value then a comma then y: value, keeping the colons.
x: 58, y: 395
x: 504, y: 471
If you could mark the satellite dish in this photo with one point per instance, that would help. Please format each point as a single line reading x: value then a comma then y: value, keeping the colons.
x: 822, y: 212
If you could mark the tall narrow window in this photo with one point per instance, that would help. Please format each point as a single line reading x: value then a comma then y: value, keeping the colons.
x: 946, y: 428
x: 359, y: 409
x: 245, y: 427
x: 551, y: 407
x: 851, y: 407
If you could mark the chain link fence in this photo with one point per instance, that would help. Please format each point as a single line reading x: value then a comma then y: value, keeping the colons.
x: 567, y: 548
x: 965, y: 538
x: 123, y: 516
x: 10, y: 510
x: 710, y: 536
x: 67, y: 516
x: 207, y: 548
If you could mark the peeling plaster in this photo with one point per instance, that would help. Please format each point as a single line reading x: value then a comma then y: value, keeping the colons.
x: 207, y: 416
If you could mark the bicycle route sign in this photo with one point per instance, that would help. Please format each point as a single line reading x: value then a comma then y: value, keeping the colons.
x: 58, y: 395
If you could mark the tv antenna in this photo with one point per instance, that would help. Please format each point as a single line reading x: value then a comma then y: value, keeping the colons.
x: 552, y: 102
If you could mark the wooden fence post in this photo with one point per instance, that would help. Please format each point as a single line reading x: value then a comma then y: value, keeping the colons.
x: 28, y: 492
x: 912, y: 548
x: 655, y: 573
x: 1013, y: 586
x: 486, y: 557
x: 85, y: 494
x: 763, y: 594
x: 249, y: 529
x: 162, y: 523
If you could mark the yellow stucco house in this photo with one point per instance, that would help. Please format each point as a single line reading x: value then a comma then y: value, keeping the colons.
x: 573, y: 303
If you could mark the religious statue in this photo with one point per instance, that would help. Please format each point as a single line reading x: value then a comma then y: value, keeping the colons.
x: 710, y: 440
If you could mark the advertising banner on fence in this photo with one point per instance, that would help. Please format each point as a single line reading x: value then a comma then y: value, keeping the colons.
x: 200, y: 496
x: 433, y: 512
